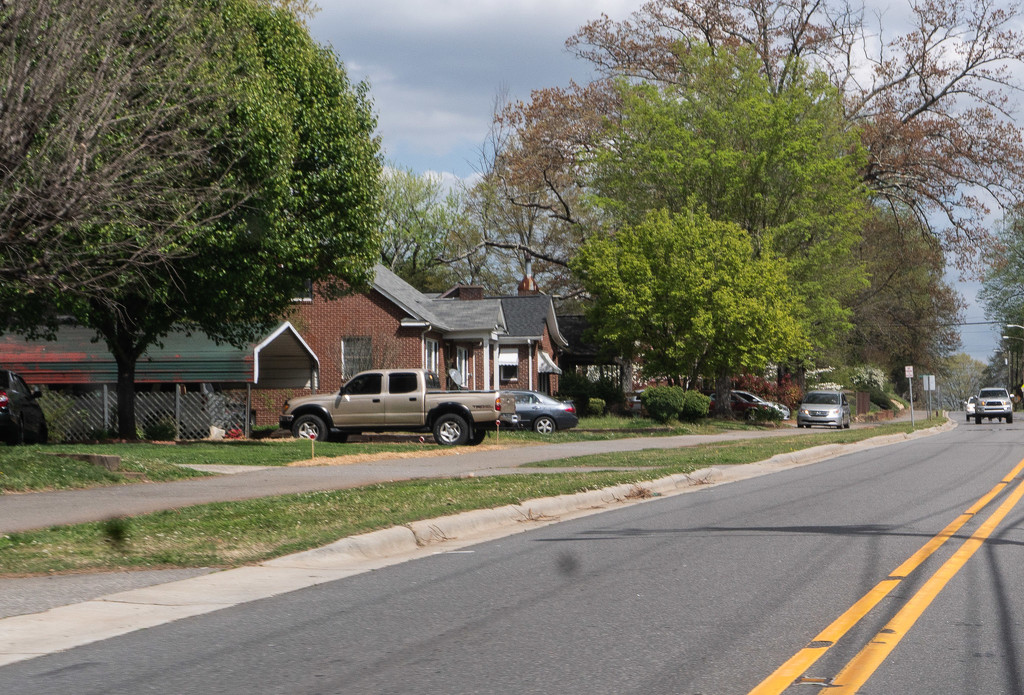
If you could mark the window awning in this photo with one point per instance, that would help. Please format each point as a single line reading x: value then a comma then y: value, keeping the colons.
x: 508, y: 355
x: 546, y: 365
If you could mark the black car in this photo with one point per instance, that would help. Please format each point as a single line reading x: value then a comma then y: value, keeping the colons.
x: 21, y: 418
x: 542, y: 413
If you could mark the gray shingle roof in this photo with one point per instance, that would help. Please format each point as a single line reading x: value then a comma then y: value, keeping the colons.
x: 410, y: 299
x: 525, y: 316
x: 470, y: 315
x: 445, y: 314
x: 517, y: 316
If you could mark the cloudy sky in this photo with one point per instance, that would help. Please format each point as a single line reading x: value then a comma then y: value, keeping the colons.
x: 436, y: 68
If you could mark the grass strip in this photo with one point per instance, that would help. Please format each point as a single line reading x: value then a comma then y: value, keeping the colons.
x: 238, y: 533
x: 35, y: 468
x: 730, y: 453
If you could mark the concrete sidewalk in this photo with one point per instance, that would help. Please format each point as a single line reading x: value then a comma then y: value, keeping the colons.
x: 39, y: 615
x: 24, y: 512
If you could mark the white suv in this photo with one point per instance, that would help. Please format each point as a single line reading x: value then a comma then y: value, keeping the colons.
x: 993, y: 403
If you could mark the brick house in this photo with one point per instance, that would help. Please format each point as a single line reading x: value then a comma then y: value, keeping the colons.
x: 471, y: 340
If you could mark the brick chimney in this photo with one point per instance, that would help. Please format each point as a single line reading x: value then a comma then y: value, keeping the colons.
x: 527, y: 285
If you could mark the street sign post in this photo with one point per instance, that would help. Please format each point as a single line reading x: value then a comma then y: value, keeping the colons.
x: 909, y: 371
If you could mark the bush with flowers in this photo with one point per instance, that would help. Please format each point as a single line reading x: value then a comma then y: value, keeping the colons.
x: 784, y: 391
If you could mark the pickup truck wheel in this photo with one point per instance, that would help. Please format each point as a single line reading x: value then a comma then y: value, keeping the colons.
x: 451, y: 430
x: 544, y: 425
x: 1009, y: 419
x: 310, y: 427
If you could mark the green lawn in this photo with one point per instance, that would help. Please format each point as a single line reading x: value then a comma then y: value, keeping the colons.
x: 35, y: 468
x: 237, y: 533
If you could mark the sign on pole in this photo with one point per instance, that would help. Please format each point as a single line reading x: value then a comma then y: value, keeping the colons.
x: 909, y: 371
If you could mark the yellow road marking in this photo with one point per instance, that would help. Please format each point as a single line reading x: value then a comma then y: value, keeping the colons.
x: 867, y: 661
x: 797, y: 665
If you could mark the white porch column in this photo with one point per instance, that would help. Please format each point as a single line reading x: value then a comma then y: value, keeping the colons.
x: 487, y: 364
x: 531, y: 347
x: 497, y: 368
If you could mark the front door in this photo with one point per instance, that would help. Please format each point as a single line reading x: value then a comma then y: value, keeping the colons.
x: 360, y: 403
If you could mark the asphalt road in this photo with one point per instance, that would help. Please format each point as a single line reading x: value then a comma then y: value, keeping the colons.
x: 699, y: 593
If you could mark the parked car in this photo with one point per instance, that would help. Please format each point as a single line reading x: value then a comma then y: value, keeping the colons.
x: 754, y: 398
x: 21, y: 417
x: 993, y: 403
x: 744, y: 405
x: 969, y: 407
x: 542, y: 413
x: 634, y: 405
x: 828, y: 408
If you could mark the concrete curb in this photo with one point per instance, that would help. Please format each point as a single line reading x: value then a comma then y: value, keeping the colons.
x: 28, y: 636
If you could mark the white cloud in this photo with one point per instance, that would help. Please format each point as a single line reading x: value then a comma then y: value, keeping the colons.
x: 435, y: 68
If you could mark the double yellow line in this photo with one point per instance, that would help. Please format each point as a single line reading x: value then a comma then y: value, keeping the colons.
x: 867, y: 661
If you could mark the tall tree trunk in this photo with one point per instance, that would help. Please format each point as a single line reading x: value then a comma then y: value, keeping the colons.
x: 126, y: 397
x: 723, y: 393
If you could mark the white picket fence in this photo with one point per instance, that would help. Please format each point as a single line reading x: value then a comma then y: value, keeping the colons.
x: 93, y: 415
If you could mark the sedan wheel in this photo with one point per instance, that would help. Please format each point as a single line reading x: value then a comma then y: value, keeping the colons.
x: 16, y: 435
x: 544, y: 425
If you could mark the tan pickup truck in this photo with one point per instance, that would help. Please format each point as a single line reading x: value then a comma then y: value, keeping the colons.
x: 399, y: 400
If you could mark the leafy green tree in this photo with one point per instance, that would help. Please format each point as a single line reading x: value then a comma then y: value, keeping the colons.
x: 961, y: 377
x: 419, y: 220
x: 299, y: 139
x: 690, y: 295
x: 908, y: 313
x: 779, y: 162
x: 1002, y: 290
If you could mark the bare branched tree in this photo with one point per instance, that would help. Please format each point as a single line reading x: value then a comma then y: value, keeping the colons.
x: 106, y: 135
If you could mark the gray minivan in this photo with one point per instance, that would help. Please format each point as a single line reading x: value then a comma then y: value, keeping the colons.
x: 828, y: 408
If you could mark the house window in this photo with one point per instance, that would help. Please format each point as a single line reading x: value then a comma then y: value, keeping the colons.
x: 356, y: 355
x: 508, y: 363
x: 307, y: 292
x: 433, y: 355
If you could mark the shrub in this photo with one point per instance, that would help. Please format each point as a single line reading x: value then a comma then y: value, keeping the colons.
x: 788, y: 393
x: 163, y: 431
x: 880, y: 398
x: 765, y: 415
x: 868, y: 378
x: 784, y: 391
x: 663, y: 403
x: 595, y: 406
x: 695, y: 406
x: 579, y: 389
